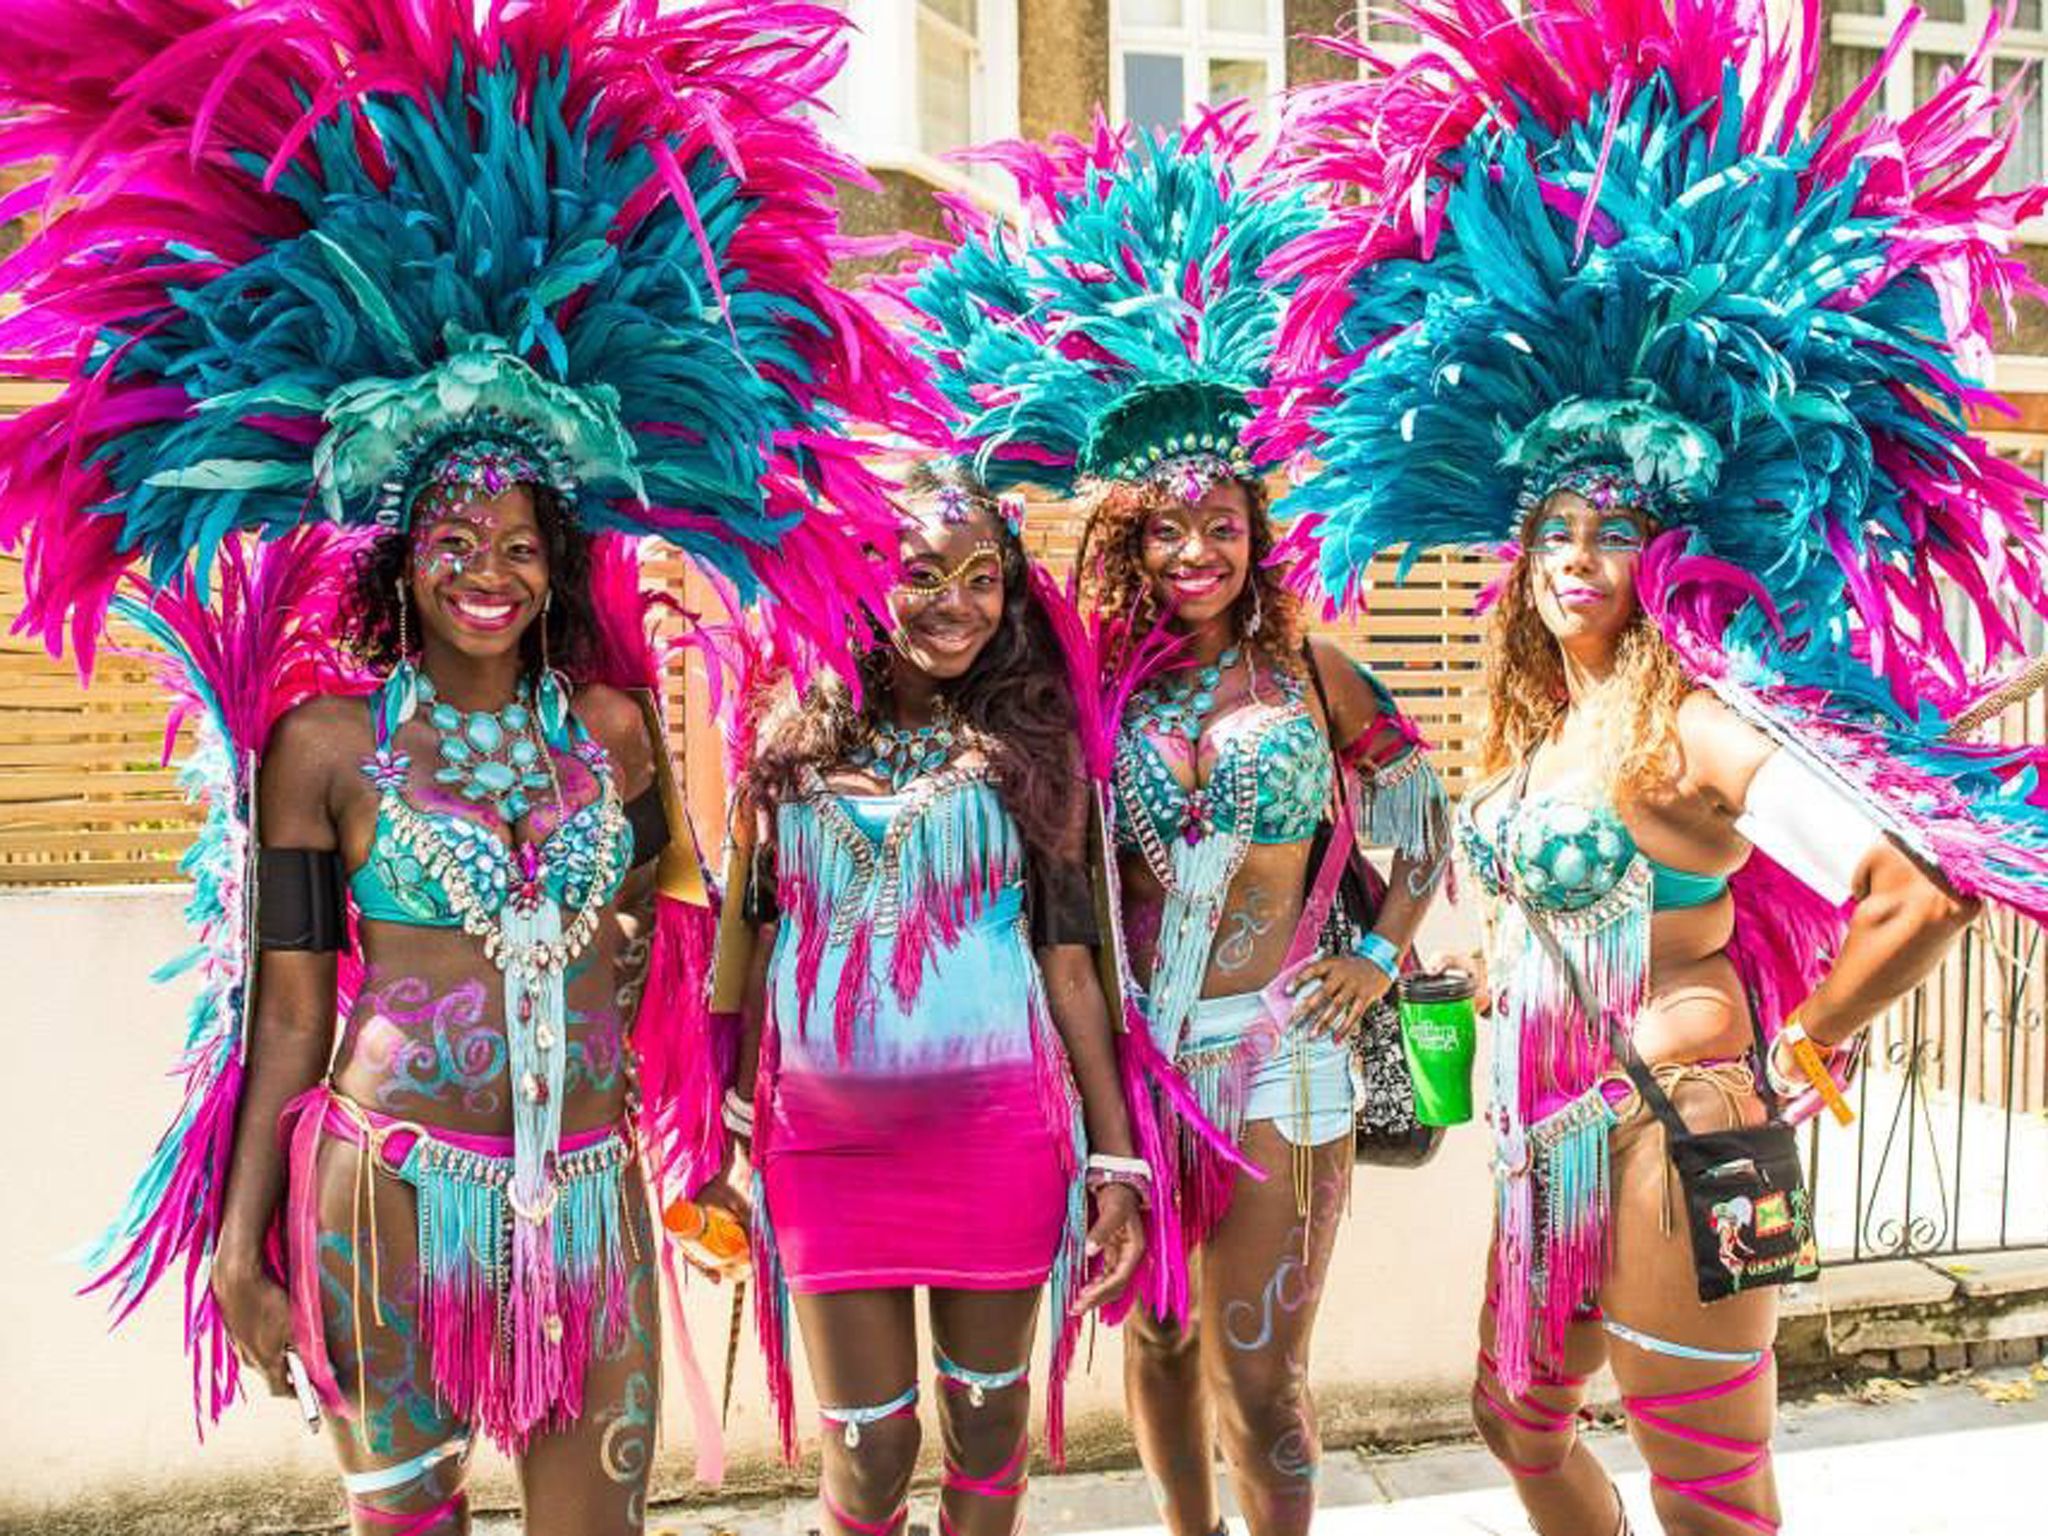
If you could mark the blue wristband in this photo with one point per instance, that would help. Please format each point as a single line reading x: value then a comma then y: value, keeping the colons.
x: 1378, y: 950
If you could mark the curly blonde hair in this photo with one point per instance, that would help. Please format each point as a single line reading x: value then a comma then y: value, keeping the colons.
x: 1525, y: 693
x: 1114, y: 583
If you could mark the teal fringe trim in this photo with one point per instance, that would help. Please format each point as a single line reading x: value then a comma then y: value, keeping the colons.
x: 464, y: 1225
x: 951, y: 844
x: 1406, y: 808
x: 1574, y: 1189
x: 1069, y: 1274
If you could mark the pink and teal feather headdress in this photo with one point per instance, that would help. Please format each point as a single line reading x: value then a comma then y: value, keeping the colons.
x: 1605, y: 246
x: 303, y: 256
x: 1118, y: 333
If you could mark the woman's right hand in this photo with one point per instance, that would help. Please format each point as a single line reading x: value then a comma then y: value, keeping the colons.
x: 258, y: 1314
x: 722, y: 1191
x: 1473, y: 964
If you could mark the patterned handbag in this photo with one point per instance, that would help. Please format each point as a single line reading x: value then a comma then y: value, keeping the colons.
x: 1386, y: 1131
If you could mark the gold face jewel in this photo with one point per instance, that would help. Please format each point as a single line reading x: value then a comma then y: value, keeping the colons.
x: 926, y: 586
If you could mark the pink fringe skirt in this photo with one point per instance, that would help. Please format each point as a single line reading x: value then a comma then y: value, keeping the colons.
x: 512, y: 1304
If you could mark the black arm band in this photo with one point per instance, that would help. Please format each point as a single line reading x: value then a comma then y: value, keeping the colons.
x: 648, y: 818
x: 1062, y: 908
x: 301, y: 902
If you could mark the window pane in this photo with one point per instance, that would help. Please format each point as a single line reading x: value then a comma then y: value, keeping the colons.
x: 958, y: 12
x: 1943, y: 10
x: 1149, y: 13
x: 1859, y: 7
x: 2028, y: 17
x: 1928, y: 68
x: 945, y: 91
x: 1155, y: 89
x: 2023, y: 163
x: 1391, y: 32
x: 1230, y: 79
x: 1841, y: 71
x: 1238, y: 16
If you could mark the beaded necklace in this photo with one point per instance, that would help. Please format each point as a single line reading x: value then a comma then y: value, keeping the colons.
x: 1176, y: 705
x: 898, y: 754
x: 490, y: 754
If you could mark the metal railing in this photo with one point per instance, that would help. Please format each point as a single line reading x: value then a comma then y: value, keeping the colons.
x: 1948, y: 1154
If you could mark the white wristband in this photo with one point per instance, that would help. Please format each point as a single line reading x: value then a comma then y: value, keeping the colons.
x: 1104, y: 1162
x: 737, y: 1114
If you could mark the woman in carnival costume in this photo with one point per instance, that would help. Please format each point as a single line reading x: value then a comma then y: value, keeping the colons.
x: 1109, y: 351
x: 485, y: 288
x: 926, y: 1085
x: 1594, y: 287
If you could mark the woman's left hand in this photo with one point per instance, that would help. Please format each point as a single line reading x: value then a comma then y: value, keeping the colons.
x: 1337, y: 1007
x: 1119, y: 1234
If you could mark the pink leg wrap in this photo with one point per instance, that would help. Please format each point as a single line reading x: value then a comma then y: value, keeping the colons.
x: 405, y: 1522
x: 861, y: 1527
x: 1755, y: 1457
x: 1007, y: 1483
x: 1529, y: 1414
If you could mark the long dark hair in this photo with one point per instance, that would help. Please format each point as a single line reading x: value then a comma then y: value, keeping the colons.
x: 1016, y: 694
x: 370, y: 611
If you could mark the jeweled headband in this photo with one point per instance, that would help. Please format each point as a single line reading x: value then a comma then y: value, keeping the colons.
x: 1615, y: 453
x: 480, y: 467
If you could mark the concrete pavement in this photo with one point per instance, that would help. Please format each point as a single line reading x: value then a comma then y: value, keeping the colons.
x: 1941, y: 1459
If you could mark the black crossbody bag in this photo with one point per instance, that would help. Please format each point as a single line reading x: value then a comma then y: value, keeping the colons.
x: 1746, y: 1202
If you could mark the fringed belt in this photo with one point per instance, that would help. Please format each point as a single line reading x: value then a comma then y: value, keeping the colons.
x: 1553, y: 1209
x: 514, y: 1298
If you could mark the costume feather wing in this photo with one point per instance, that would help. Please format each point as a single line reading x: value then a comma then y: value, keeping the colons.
x: 232, y: 667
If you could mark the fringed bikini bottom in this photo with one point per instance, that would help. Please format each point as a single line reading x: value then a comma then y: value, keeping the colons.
x: 1553, y: 1213
x: 510, y: 1316
x: 1244, y: 1064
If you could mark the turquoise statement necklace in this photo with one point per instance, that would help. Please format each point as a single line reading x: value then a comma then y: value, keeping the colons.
x: 898, y: 754
x: 1177, y: 705
x: 488, y: 755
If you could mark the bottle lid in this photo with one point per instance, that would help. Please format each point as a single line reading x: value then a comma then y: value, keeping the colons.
x: 1437, y: 987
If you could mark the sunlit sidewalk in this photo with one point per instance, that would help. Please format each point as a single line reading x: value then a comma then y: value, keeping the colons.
x: 1984, y: 1482
x: 1960, y: 1457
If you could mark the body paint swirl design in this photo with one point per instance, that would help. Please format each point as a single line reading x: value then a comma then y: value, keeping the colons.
x: 1243, y: 926
x: 435, y: 1047
x: 400, y: 1413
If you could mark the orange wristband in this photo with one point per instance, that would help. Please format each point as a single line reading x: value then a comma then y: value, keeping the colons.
x: 1814, y: 1067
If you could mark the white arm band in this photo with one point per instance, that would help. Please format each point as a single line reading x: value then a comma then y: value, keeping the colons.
x: 1809, y: 824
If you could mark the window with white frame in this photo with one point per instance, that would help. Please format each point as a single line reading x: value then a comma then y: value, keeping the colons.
x: 1169, y: 57
x: 1859, y: 31
x: 949, y: 75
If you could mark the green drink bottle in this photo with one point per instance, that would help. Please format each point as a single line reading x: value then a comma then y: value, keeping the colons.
x: 1439, y: 1035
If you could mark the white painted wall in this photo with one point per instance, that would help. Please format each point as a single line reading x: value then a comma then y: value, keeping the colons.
x: 88, y: 1416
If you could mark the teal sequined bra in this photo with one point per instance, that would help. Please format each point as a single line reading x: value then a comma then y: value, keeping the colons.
x: 1565, y: 854
x: 1273, y: 774
x: 397, y: 883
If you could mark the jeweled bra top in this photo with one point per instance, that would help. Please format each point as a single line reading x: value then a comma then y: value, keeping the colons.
x: 1567, y: 853
x: 1274, y: 766
x: 394, y: 885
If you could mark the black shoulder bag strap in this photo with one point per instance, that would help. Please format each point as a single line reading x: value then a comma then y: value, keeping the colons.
x: 1361, y: 889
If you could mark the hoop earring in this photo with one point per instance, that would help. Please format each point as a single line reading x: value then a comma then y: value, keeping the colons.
x: 1258, y: 617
